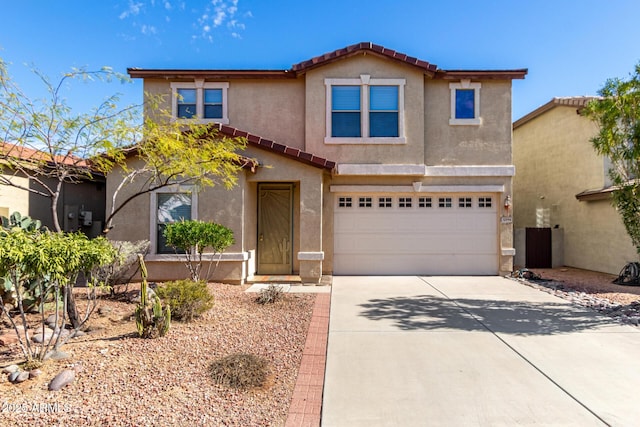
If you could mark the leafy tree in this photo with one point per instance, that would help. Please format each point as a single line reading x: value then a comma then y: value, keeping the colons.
x: 193, y: 238
x: 50, y: 262
x: 47, y: 142
x: 617, y: 114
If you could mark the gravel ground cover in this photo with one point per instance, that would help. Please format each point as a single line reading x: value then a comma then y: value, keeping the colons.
x: 123, y: 380
x: 591, y: 289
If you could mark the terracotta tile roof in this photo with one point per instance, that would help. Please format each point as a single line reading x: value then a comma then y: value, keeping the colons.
x: 284, y: 150
x: 358, y: 48
x: 570, y: 101
x: 30, y: 154
x: 300, y: 68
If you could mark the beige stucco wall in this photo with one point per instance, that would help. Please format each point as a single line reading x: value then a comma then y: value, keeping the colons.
x: 237, y: 209
x: 13, y: 199
x: 352, y: 68
x: 555, y: 161
x: 485, y: 144
x: 272, y: 109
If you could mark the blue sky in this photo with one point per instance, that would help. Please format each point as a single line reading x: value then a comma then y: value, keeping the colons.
x: 569, y: 47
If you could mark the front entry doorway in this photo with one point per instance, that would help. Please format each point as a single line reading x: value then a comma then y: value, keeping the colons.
x: 275, y: 228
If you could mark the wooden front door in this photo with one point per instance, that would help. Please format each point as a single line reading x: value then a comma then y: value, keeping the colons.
x: 275, y: 228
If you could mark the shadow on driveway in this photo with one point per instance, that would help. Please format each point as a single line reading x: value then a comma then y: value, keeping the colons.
x: 430, y: 313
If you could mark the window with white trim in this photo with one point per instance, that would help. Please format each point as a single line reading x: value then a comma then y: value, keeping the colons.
x: 365, y: 110
x: 465, y: 103
x: 464, y: 202
x: 444, y: 202
x: 365, y: 202
x: 344, y: 202
x: 171, y: 204
x: 404, y: 202
x: 484, y: 202
x: 200, y: 100
x: 385, y: 202
x: 424, y: 202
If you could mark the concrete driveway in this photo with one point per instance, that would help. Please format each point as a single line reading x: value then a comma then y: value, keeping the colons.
x: 473, y: 351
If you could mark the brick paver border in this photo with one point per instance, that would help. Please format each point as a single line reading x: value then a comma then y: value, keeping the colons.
x: 306, y: 403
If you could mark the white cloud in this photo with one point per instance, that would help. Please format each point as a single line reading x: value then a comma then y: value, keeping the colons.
x: 167, y: 5
x: 132, y: 10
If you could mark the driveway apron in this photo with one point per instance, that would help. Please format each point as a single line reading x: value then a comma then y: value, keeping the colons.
x: 473, y: 351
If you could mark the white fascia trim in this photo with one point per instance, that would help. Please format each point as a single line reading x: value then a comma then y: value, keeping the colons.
x: 377, y: 169
x: 225, y: 257
x: 310, y: 256
x: 484, y: 170
x: 417, y: 189
x: 508, y: 251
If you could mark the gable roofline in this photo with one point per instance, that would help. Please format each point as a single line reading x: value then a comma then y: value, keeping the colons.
x: 274, y: 147
x: 577, y: 102
x: 359, y: 48
x: 296, y: 70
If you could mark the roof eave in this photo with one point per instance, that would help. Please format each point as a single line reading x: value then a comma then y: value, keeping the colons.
x: 482, y: 74
x: 139, y: 73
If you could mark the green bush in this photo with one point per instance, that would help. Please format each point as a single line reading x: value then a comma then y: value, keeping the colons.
x: 188, y: 299
x: 241, y: 371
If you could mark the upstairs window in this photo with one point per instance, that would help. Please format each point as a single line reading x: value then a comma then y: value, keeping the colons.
x: 200, y: 100
x: 383, y: 111
x: 365, y: 111
x: 345, y: 111
x: 465, y: 103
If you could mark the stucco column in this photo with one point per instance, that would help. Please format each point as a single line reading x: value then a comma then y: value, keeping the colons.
x: 311, y: 254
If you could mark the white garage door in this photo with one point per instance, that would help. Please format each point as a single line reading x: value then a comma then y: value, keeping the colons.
x: 450, y: 234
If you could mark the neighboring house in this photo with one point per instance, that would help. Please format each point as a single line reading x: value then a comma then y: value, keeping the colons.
x: 82, y: 204
x: 562, y: 188
x: 371, y: 162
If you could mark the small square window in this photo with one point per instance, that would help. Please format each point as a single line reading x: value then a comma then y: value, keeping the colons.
x: 465, y: 104
x: 344, y: 202
x: 444, y: 202
x: 364, y: 202
x: 484, y: 202
x: 385, y: 202
x: 404, y: 202
x: 424, y: 202
x: 464, y: 202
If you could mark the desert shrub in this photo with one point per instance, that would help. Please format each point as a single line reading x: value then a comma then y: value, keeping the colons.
x: 270, y: 294
x: 192, y: 238
x: 125, y: 265
x: 188, y: 299
x: 240, y: 370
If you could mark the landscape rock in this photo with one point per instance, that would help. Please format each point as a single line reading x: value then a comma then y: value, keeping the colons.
x: 13, y: 376
x: 62, y: 379
x: 52, y: 318
x: 40, y: 338
x: 78, y: 334
x: 10, y: 369
x: 56, y: 355
x: 8, y: 338
x: 22, y: 377
x: 104, y: 310
x: 34, y: 373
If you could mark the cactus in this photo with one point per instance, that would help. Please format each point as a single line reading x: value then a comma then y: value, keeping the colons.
x: 151, y: 319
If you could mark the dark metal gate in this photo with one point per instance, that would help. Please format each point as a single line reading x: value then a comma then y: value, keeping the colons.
x: 538, y: 248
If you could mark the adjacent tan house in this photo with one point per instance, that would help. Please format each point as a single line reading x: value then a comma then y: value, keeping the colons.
x: 370, y: 162
x: 81, y: 205
x: 563, y: 185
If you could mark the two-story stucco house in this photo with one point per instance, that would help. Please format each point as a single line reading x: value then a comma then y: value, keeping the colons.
x: 371, y: 162
x: 563, y: 188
